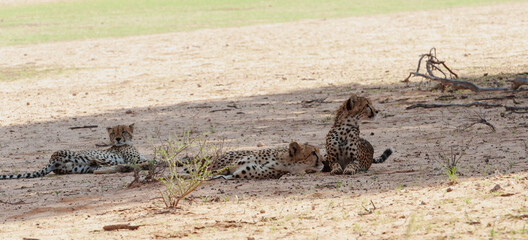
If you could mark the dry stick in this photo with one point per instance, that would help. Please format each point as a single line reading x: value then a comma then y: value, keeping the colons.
x: 432, y: 63
x: 221, y: 110
x: 496, y: 98
x: 87, y: 126
x: 516, y: 109
x: 518, y: 81
x: 479, y: 104
x: 456, y: 84
x: 120, y: 226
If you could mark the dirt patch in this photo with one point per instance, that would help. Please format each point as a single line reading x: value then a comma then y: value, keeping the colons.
x: 256, y: 86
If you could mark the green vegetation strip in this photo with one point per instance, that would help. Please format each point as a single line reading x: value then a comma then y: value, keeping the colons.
x: 71, y: 20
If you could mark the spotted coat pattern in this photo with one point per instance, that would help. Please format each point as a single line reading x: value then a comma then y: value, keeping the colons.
x: 347, y: 152
x: 122, y: 151
x: 268, y: 163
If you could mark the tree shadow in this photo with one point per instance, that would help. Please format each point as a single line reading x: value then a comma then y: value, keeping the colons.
x: 417, y: 136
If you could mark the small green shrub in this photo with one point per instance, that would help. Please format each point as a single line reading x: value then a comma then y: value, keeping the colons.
x: 177, y: 183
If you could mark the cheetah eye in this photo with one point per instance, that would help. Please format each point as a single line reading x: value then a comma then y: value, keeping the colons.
x: 315, y: 155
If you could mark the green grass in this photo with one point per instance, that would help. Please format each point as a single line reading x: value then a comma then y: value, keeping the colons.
x: 30, y: 72
x: 60, y: 21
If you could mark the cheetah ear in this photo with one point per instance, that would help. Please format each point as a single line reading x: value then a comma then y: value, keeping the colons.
x: 131, y: 126
x: 350, y: 102
x: 294, y: 148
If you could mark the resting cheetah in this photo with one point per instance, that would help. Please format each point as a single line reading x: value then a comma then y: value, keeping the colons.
x: 68, y: 162
x: 344, y: 148
x: 269, y: 163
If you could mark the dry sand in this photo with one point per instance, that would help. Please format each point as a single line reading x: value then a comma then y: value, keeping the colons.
x: 245, y: 86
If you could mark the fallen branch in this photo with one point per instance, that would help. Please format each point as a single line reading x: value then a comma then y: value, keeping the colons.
x: 516, y: 109
x: 120, y: 226
x: 309, y: 103
x: 13, y: 203
x: 472, y: 104
x: 87, y: 126
x: 496, y: 98
x: 518, y: 82
x: 221, y: 110
x: 432, y: 64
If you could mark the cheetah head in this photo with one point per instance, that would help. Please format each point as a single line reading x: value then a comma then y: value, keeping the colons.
x: 121, y: 134
x: 359, y: 108
x: 302, y: 159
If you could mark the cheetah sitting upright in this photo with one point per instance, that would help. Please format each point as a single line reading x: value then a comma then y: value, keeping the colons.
x: 344, y: 148
x: 68, y: 162
x: 268, y: 163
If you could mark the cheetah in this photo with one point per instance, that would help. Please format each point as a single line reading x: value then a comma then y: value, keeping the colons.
x: 347, y: 153
x: 268, y: 163
x: 121, y: 152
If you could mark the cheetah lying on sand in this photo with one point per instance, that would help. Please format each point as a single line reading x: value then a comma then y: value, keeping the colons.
x: 121, y: 152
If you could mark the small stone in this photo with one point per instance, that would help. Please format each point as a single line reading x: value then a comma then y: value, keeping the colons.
x: 449, y: 189
x: 262, y: 211
x: 260, y: 145
x: 496, y: 188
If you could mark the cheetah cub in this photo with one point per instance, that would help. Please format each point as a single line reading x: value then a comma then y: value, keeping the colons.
x: 347, y: 152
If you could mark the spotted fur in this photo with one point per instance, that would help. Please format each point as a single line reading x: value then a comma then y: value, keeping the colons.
x: 122, y: 151
x: 269, y: 163
x: 347, y: 153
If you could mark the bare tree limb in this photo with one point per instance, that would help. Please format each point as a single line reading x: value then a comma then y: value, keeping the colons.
x: 496, y: 98
x: 472, y: 104
x: 516, y: 109
x: 518, y: 82
x: 120, y: 226
x: 432, y: 64
x: 88, y: 126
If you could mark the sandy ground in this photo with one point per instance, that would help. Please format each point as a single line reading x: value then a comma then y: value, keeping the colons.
x: 246, y: 87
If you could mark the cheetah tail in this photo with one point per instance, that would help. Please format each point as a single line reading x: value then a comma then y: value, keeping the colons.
x: 383, y: 156
x: 35, y: 174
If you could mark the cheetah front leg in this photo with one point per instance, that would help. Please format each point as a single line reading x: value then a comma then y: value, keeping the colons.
x: 352, y: 168
x: 354, y: 165
x: 332, y: 152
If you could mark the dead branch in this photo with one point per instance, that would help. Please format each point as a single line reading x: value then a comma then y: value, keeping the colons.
x: 518, y: 82
x: 432, y: 64
x: 13, y: 203
x: 87, y: 126
x: 120, y: 226
x: 516, y: 109
x: 221, y: 110
x: 496, y: 98
x: 472, y: 104
x: 312, y: 102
